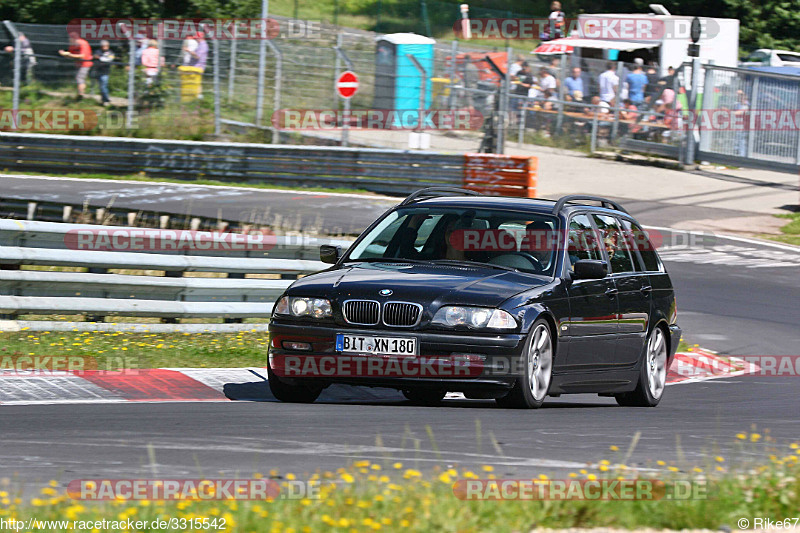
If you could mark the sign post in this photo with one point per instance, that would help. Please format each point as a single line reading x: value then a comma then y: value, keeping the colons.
x: 346, y: 87
x: 693, y: 52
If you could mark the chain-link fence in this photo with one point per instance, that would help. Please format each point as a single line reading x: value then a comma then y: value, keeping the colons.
x: 767, y: 107
x: 563, y: 100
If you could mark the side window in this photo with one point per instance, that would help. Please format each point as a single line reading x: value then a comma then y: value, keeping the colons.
x: 582, y: 241
x: 645, y: 247
x: 614, y: 242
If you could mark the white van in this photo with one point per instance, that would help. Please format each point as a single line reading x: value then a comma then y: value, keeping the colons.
x: 764, y: 57
x: 660, y: 39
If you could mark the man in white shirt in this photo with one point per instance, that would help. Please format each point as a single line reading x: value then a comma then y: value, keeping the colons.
x: 547, y: 80
x: 516, y: 66
x: 188, y: 49
x: 608, y: 83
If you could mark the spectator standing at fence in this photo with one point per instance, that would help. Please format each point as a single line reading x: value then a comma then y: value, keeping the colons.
x: 668, y: 81
x: 104, y: 56
x: 653, y: 89
x: 151, y: 61
x: 522, y: 85
x: 201, y: 56
x: 608, y: 82
x: 637, y: 82
x: 516, y: 67
x: 189, y: 51
x: 79, y: 50
x: 547, y: 80
x: 574, y: 83
x: 28, y: 59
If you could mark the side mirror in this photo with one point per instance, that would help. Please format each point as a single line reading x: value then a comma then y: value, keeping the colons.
x: 590, y: 269
x: 329, y: 253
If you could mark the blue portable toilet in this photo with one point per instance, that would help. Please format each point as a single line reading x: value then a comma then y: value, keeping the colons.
x: 397, y: 80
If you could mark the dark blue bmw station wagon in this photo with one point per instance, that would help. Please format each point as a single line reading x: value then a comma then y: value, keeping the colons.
x: 504, y: 298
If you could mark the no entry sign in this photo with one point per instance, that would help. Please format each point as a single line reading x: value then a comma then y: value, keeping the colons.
x: 347, y: 84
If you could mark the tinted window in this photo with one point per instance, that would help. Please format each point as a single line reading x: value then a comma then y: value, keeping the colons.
x: 583, y: 242
x: 615, y: 244
x: 789, y: 57
x: 642, y: 243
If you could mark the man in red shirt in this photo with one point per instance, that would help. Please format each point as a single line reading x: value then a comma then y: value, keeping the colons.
x: 79, y: 49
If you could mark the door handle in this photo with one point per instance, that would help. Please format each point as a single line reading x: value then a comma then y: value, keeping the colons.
x: 646, y: 288
x: 611, y: 292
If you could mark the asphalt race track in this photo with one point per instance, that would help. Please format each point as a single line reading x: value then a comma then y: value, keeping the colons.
x: 329, y: 212
x: 737, y: 297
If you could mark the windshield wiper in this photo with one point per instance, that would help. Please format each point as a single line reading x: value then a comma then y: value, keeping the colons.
x: 464, y: 262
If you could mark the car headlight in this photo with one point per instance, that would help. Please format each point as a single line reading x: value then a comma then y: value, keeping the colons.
x: 300, y: 306
x: 474, y: 317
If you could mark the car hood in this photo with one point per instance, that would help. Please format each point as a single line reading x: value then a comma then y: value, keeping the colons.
x: 420, y: 283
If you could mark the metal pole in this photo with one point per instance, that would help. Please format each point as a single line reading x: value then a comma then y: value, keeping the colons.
x: 425, y: 19
x: 501, y: 126
x: 593, y: 145
x: 161, y: 54
x: 561, y: 77
x: 337, y: 70
x: 452, y: 74
x: 346, y: 124
x: 17, y: 64
x: 615, y: 124
x: 17, y: 72
x: 521, y: 136
x: 708, y: 84
x: 276, y: 134
x: 217, y: 95
x: 423, y: 85
x: 232, y: 69
x: 690, y: 141
x: 131, y: 80
x: 751, y: 138
x: 262, y: 63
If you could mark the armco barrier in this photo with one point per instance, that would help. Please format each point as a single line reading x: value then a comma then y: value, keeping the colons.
x: 99, y: 292
x: 395, y: 172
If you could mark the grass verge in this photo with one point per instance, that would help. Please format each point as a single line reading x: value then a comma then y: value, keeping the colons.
x: 143, y: 350
x: 389, y: 495
x: 790, y: 233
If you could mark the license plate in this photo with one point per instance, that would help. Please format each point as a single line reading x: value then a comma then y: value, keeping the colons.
x: 363, y: 344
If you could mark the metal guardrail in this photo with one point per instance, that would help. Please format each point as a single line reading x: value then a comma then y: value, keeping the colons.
x: 100, y: 293
x: 104, y: 212
x: 385, y: 171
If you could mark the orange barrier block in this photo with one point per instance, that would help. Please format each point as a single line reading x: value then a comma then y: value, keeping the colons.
x: 501, y: 175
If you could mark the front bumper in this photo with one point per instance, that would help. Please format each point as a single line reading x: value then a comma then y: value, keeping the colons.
x: 463, y: 361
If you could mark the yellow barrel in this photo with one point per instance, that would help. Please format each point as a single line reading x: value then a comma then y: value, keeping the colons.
x: 191, y: 82
x: 440, y: 90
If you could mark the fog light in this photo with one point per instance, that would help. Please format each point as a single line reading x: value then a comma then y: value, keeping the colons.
x: 297, y: 346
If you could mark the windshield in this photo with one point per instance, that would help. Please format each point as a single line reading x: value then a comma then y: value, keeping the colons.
x: 758, y: 57
x: 492, y: 237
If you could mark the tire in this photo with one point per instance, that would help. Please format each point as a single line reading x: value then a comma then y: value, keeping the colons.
x: 536, y: 364
x: 429, y: 397
x: 652, y: 375
x: 297, y: 392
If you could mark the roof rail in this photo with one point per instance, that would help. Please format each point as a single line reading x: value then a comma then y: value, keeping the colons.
x: 604, y: 202
x: 432, y: 192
